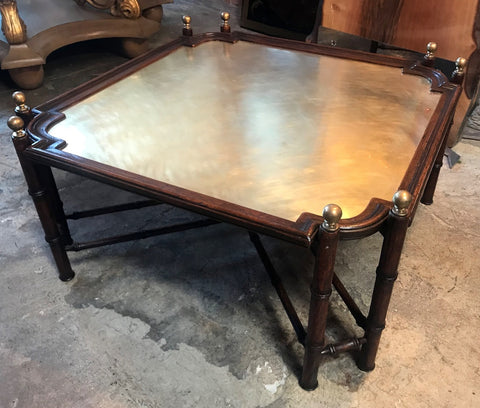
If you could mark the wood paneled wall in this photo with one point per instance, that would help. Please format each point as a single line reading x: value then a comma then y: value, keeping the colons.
x: 408, y: 24
x: 411, y: 24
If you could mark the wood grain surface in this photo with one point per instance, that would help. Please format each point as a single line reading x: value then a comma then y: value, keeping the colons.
x: 411, y: 25
x: 407, y: 23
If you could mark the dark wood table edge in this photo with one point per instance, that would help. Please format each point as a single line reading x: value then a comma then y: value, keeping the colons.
x: 46, y: 148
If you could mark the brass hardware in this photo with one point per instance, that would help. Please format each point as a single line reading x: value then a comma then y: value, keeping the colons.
x: 431, y: 50
x: 13, y: 27
x: 459, y: 72
x: 19, y: 99
x: 186, y: 21
x: 16, y: 124
x: 127, y: 8
x: 401, y: 202
x: 331, y: 214
x: 187, y: 28
x: 225, y: 27
x: 460, y: 64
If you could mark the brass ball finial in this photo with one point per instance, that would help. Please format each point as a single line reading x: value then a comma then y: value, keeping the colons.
x: 331, y: 216
x: 460, y: 65
x: 459, y: 72
x: 429, y: 57
x: 19, y: 98
x: 401, y: 202
x: 225, y: 16
x: 17, y: 124
x: 187, y: 29
x: 432, y: 47
x: 431, y: 50
x: 225, y: 27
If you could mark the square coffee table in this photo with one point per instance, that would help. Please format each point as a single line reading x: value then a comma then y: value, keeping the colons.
x: 301, y: 142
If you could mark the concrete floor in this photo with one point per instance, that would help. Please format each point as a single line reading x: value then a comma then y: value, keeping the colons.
x: 190, y: 320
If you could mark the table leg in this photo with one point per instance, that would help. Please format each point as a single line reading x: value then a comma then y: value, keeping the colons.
x: 394, y: 237
x: 321, y: 289
x: 48, y: 181
x: 23, y: 111
x: 37, y: 178
x: 429, y: 191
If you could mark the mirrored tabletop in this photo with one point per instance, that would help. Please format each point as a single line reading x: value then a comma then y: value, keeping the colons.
x: 274, y: 130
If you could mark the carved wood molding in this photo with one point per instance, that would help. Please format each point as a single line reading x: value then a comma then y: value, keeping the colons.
x: 128, y: 9
x: 13, y: 27
x: 122, y: 8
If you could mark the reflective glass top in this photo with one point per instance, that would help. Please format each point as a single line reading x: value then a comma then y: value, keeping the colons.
x: 279, y: 131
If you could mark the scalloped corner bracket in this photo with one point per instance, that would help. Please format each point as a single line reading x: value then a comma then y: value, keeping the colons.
x: 40, y: 126
x: 437, y: 79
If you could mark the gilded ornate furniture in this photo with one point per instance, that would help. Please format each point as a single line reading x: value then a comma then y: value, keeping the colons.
x: 33, y: 29
x: 272, y: 131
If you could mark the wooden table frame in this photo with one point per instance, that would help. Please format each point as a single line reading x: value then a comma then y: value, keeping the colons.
x: 38, y: 152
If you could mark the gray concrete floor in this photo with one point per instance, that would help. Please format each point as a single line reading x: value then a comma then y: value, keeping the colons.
x: 190, y: 320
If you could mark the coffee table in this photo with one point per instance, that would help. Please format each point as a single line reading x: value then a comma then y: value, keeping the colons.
x: 297, y: 141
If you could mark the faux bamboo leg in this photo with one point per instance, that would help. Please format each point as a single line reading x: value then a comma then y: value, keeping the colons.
x: 40, y: 194
x: 24, y: 111
x: 321, y: 288
x: 457, y: 78
x: 427, y: 197
x: 48, y: 181
x: 394, y: 238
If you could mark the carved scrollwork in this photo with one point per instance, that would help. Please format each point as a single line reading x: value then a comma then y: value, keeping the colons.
x: 129, y: 8
x: 124, y: 8
x: 100, y: 4
x: 13, y: 27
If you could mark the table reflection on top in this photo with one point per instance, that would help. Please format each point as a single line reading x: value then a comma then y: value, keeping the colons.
x: 278, y: 131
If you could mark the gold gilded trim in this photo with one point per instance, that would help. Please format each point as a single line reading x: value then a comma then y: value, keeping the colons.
x: 128, y: 9
x: 123, y: 8
x: 13, y: 27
